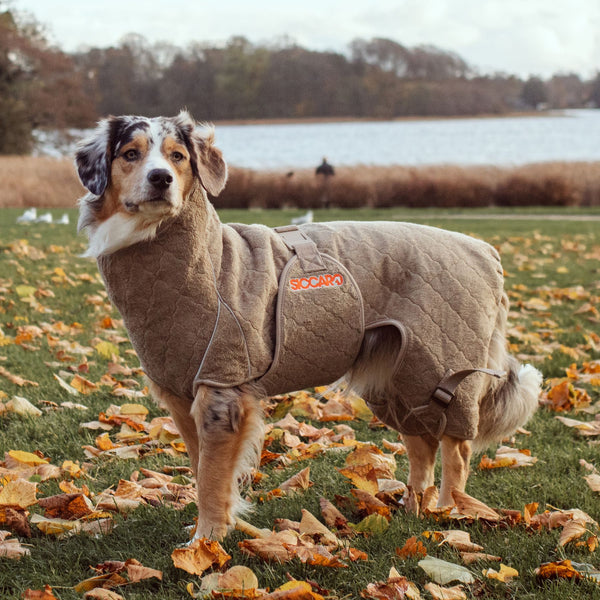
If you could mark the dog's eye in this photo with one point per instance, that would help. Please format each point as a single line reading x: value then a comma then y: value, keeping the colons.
x: 131, y: 155
x: 177, y: 156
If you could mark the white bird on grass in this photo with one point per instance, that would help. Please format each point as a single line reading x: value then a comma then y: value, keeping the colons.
x: 307, y: 218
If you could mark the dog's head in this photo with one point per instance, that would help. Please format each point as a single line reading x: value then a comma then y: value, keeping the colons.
x: 139, y: 172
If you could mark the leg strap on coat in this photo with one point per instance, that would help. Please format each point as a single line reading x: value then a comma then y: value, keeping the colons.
x: 432, y: 416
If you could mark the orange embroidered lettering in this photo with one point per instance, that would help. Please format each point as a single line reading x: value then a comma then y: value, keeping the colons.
x: 313, y: 282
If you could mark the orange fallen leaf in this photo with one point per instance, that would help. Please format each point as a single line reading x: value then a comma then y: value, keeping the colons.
x: 562, y: 569
x: 200, y: 555
x: 411, y: 548
x: 45, y: 594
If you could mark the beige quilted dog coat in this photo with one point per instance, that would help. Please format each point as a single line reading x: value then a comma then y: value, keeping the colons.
x: 222, y: 305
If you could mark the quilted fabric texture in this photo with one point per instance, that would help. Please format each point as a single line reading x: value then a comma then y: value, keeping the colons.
x: 200, y: 303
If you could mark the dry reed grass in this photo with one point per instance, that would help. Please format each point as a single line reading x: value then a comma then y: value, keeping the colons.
x: 38, y: 181
x: 49, y: 182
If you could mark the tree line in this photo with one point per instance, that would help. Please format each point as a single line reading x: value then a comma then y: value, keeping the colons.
x: 43, y: 87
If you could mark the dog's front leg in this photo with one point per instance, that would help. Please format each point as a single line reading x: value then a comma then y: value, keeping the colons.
x: 231, y: 434
x: 456, y: 456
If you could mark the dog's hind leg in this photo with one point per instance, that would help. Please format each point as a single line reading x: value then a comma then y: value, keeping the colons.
x: 421, y: 458
x: 456, y: 456
x: 231, y: 434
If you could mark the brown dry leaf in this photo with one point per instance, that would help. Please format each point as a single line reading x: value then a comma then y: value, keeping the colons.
x: 395, y: 588
x: 471, y: 557
x: 459, y: 540
x: 587, y: 428
x: 16, y: 379
x: 572, y: 530
x: 278, y: 546
x: 334, y: 518
x: 508, y: 457
x: 311, y: 526
x: 238, y: 578
x: 411, y: 548
x: 102, y: 594
x: 106, y: 580
x: 136, y: 571
x: 67, y: 506
x: 368, y: 504
x: 445, y: 593
x: 200, y: 555
x: 11, y: 548
x: 471, y: 507
x: 45, y: 594
x: 593, y: 481
x: 299, y: 482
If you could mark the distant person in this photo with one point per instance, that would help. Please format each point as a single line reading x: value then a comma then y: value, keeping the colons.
x: 325, y: 169
x: 324, y: 172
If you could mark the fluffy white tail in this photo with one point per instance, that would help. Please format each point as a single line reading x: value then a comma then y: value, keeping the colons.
x: 508, y: 406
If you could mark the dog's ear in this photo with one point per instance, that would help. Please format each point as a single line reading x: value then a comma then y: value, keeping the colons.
x: 207, y: 160
x: 92, y: 159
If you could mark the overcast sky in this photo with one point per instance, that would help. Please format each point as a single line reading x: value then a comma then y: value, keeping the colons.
x: 523, y: 37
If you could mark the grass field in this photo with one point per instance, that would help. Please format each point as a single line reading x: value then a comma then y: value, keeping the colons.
x: 58, y: 333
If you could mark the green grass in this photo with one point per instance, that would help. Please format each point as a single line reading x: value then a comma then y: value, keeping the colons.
x: 540, y: 257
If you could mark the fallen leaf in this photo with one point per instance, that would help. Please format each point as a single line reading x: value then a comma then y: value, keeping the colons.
x: 572, y: 530
x: 45, y: 594
x: 11, y: 548
x: 102, y: 594
x: 18, y: 494
x: 471, y: 507
x: 444, y: 593
x: 412, y: 547
x: 444, y: 572
x: 200, y: 555
x: 504, y: 574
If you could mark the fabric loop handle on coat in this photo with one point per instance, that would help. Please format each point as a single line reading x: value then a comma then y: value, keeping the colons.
x: 306, y: 250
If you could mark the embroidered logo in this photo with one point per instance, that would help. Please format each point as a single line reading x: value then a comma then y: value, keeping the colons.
x: 316, y: 281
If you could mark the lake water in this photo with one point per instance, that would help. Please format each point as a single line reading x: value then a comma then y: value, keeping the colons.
x: 567, y: 136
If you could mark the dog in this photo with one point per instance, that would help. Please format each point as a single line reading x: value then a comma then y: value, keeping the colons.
x: 413, y: 317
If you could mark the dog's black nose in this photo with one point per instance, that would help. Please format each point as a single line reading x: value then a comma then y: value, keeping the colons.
x: 160, y: 178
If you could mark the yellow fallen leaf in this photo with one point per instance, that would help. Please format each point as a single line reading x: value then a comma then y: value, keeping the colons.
x: 504, y: 574
x: 27, y: 458
x: 106, y: 349
x: 22, y: 406
x: 18, y: 493
x: 82, y: 385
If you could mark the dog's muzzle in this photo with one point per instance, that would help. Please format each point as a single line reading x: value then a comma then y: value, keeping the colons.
x: 161, y: 179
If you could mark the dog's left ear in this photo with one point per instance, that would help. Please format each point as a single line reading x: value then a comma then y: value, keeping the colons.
x: 207, y: 160
x: 92, y: 159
